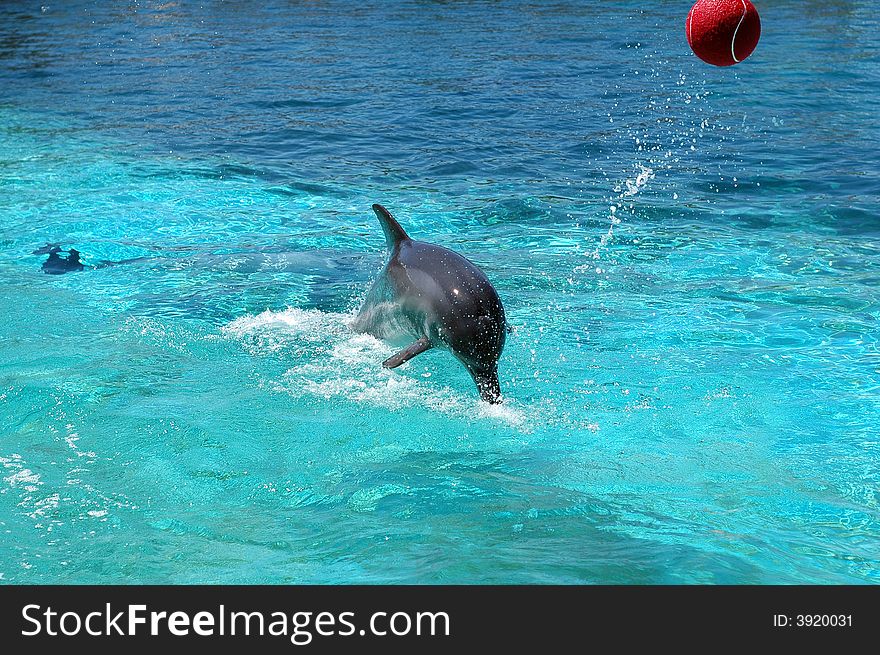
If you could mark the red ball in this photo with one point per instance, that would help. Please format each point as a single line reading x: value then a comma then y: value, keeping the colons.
x: 723, y: 32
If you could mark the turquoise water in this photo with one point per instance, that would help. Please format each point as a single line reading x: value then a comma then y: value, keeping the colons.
x: 690, y: 257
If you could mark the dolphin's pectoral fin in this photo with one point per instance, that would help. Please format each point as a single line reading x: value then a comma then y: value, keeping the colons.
x: 415, y: 348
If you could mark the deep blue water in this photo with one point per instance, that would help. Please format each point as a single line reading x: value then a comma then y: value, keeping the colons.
x: 690, y: 257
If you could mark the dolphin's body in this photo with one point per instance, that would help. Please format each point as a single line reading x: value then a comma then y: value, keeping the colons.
x: 430, y: 297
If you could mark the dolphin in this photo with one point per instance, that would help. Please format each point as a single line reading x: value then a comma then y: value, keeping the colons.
x: 430, y: 297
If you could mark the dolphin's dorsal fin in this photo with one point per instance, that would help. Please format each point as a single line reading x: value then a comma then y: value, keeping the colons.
x: 394, y: 234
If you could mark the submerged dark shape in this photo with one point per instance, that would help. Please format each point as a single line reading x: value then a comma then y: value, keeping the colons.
x: 55, y: 264
x: 428, y: 296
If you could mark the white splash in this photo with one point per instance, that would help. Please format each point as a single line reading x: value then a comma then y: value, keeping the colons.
x: 329, y: 360
x: 630, y: 188
x: 27, y: 483
x: 270, y: 331
x: 19, y: 475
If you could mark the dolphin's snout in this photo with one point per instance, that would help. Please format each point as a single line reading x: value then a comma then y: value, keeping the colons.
x: 488, y: 386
